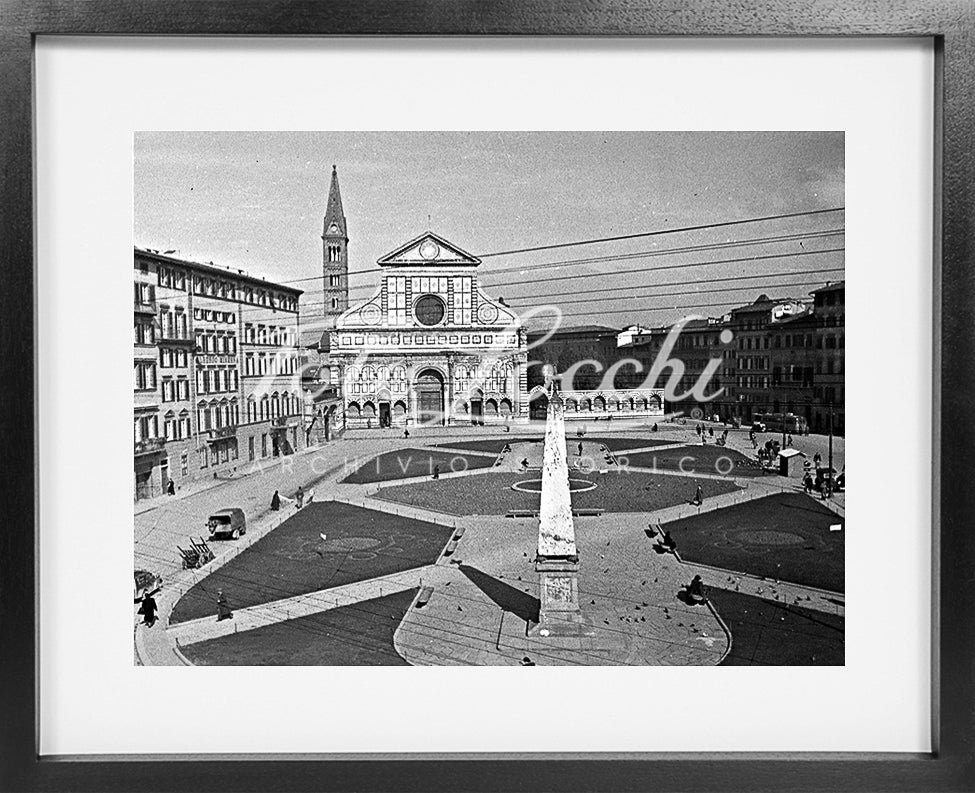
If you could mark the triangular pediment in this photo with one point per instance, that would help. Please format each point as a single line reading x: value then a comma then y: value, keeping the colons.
x: 427, y: 250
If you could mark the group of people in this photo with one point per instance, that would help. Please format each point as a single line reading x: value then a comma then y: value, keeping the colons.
x: 299, y: 499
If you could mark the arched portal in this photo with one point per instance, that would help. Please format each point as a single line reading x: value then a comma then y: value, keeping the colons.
x: 538, y: 407
x: 477, y: 406
x: 429, y: 389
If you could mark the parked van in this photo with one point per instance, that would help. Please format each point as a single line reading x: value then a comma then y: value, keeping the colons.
x: 227, y: 523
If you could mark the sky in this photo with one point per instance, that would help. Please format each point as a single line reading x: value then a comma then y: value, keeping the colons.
x: 255, y: 201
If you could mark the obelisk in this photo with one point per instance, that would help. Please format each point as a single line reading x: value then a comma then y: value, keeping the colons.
x: 557, y: 560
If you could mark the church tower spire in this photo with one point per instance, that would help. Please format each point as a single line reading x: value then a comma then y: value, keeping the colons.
x: 335, y: 253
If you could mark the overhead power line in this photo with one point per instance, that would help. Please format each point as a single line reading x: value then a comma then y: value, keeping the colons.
x: 675, y: 230
x: 682, y: 293
x: 679, y: 266
x: 639, y: 235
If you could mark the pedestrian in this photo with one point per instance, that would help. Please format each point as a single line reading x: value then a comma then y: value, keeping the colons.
x: 300, y: 497
x: 654, y: 428
x: 276, y: 501
x: 223, y: 607
x: 524, y: 464
x: 580, y: 449
x: 406, y: 433
x: 436, y: 472
x: 817, y: 459
x: 699, y: 496
x: 807, y: 483
x: 171, y: 488
x: 788, y: 441
x: 148, y: 610
x: 711, y: 431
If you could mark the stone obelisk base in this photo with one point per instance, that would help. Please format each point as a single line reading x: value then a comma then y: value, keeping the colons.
x: 559, y: 613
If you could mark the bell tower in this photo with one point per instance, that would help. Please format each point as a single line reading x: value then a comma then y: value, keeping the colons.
x: 335, y: 254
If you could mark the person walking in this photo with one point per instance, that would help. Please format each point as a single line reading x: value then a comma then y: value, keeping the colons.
x: 699, y: 496
x: 171, y: 488
x: 276, y: 501
x: 223, y: 607
x: 436, y: 472
x: 300, y: 497
x: 148, y: 610
x: 807, y: 483
x: 580, y: 450
x: 406, y: 433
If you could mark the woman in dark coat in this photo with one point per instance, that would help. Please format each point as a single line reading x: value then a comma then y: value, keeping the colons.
x: 148, y: 609
x: 275, y: 501
x: 223, y: 607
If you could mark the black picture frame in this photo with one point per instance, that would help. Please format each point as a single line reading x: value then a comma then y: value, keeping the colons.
x: 950, y: 24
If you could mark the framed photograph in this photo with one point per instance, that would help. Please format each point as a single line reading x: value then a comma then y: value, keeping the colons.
x: 467, y: 339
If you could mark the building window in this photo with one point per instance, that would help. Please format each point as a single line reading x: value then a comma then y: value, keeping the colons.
x: 145, y: 376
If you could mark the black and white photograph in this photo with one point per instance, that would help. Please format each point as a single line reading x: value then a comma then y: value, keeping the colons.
x: 489, y: 398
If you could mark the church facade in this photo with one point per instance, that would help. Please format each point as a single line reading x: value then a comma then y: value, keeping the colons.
x: 429, y: 347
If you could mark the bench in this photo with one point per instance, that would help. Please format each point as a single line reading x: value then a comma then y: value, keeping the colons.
x: 424, y: 597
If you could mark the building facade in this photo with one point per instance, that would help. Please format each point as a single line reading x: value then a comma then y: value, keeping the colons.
x: 216, y: 371
x: 430, y: 347
x: 594, y: 386
x: 777, y: 355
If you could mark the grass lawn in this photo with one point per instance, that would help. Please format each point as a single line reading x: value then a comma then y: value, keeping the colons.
x: 618, y: 443
x: 406, y: 463
x: 491, y: 494
x: 614, y: 443
x: 293, y: 559
x: 697, y: 459
x: 765, y: 633
x: 494, y: 445
x: 358, y: 635
x: 785, y: 536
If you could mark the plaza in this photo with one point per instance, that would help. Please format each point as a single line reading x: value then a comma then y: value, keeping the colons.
x: 389, y: 565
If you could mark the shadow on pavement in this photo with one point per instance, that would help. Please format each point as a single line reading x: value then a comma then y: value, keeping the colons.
x: 519, y: 603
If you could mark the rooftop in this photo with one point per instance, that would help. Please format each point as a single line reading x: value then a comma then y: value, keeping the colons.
x: 214, y: 269
x: 576, y: 330
x: 836, y: 286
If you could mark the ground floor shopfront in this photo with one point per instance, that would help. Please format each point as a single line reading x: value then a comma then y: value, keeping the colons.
x: 219, y: 453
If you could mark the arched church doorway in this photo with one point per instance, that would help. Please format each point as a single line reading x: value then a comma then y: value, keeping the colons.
x: 477, y: 407
x: 429, y: 389
x: 538, y: 407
